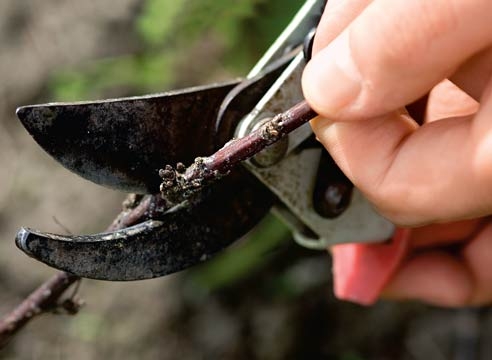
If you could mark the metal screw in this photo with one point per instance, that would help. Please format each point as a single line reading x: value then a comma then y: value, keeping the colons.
x: 333, y: 190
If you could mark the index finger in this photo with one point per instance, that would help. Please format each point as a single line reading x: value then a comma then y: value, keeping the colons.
x: 416, y: 175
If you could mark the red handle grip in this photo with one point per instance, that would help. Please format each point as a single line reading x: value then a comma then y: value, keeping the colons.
x: 361, y: 271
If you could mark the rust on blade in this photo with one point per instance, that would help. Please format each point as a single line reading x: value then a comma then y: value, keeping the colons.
x: 122, y: 143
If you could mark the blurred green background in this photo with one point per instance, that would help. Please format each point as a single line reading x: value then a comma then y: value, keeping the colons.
x: 226, y: 37
x: 263, y: 298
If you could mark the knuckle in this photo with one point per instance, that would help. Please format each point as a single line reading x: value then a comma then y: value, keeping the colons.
x: 388, y: 206
x: 482, y: 171
x: 403, y: 39
x: 460, y: 298
x: 401, y: 205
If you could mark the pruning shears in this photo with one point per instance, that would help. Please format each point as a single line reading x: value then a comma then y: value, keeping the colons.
x: 125, y: 144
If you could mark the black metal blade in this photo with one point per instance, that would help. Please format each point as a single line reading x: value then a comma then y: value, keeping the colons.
x: 242, y: 98
x: 173, y: 242
x: 122, y: 143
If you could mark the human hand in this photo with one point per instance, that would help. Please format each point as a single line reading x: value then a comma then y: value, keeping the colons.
x: 373, y: 58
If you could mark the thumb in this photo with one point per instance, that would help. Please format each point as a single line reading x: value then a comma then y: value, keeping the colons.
x: 392, y: 53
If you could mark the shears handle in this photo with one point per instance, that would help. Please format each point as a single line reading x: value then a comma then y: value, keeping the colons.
x: 361, y: 271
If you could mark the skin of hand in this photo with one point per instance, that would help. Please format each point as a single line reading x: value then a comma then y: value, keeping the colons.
x: 372, y: 59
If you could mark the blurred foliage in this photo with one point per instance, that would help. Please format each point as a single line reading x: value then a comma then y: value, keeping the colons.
x: 350, y: 356
x: 145, y: 72
x: 157, y: 20
x: 238, y: 262
x: 168, y: 31
x: 87, y: 326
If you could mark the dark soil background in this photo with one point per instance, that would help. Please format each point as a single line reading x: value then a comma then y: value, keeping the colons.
x: 276, y: 305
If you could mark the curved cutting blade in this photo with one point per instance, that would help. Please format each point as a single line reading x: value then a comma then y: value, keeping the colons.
x: 173, y: 242
x: 121, y: 138
x: 122, y: 143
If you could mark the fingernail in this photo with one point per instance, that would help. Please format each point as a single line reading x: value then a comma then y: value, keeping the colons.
x: 331, y: 80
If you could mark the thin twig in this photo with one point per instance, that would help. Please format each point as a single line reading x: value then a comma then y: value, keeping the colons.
x: 180, y: 183
x: 46, y: 297
x: 177, y: 184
